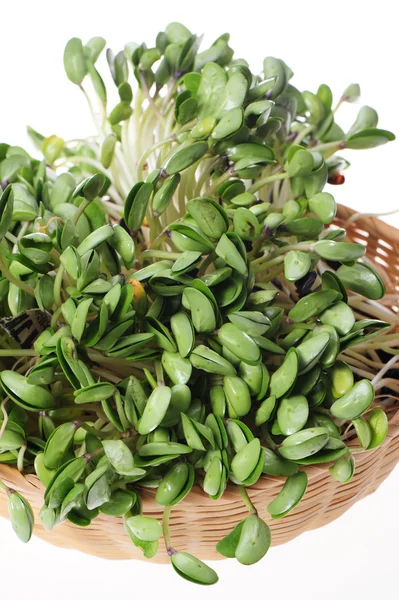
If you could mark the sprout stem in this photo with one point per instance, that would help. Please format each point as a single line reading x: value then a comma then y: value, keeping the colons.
x: 4, y: 487
x: 259, y: 264
x: 165, y: 528
x: 210, y: 190
x: 160, y: 254
x: 205, y: 264
x: 20, y: 459
x: 285, y: 249
x: 89, y: 429
x: 340, y: 145
x: 96, y: 356
x: 274, y: 273
x: 389, y: 350
x: 90, y: 455
x: 269, y: 263
x: 205, y: 175
x: 83, y: 205
x: 302, y: 134
x: 128, y: 151
x: 11, y: 237
x: 92, y: 112
x: 359, y: 215
x: 158, y: 240
x: 262, y: 182
x: 257, y: 245
x: 245, y: 498
x: 159, y: 373
x: 58, y: 285
x: 14, y: 280
x: 5, y: 416
x: 339, y: 103
x: 149, y: 152
x: 85, y: 160
x: 384, y: 369
x: 11, y: 352
x: 148, y: 95
x: 55, y: 316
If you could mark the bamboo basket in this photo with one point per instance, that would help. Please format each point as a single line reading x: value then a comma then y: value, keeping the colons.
x: 198, y: 522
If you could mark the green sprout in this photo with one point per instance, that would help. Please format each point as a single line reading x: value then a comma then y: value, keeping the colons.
x: 174, y: 295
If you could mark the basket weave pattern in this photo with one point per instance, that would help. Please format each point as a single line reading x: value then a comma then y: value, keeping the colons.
x: 198, y: 522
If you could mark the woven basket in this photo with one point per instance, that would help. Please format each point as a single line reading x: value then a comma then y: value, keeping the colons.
x: 198, y: 522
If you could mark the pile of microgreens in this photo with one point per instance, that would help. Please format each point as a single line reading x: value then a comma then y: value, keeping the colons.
x: 174, y: 296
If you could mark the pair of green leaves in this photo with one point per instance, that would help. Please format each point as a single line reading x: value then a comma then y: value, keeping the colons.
x: 144, y: 533
x: 248, y: 542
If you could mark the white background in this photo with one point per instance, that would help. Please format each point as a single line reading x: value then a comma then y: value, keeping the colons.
x: 335, y: 43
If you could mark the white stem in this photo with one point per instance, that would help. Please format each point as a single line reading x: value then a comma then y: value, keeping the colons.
x: 115, y: 195
x: 389, y: 383
x: 84, y: 159
x: 11, y: 237
x: 373, y: 308
x: 124, y: 181
x: 362, y: 358
x: 384, y: 369
x: 5, y: 416
x: 360, y: 215
x: 127, y: 149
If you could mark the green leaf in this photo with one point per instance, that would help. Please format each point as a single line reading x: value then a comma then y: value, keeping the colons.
x: 209, y: 216
x: 367, y: 118
x: 119, y: 456
x: 30, y: 397
x: 339, y: 251
x: 323, y: 205
x: 275, y: 68
x: 107, y: 150
x: 193, y: 569
x: 21, y: 516
x: 97, y: 81
x: 362, y: 279
x: 6, y: 210
x: 378, y: 423
x: 355, y: 402
x: 146, y: 529
x: 58, y: 445
x: 177, y: 33
x: 227, y: 546
x: 296, y: 265
x: 155, y: 410
x: 122, y: 112
x: 254, y: 542
x: 300, y: 163
x: 369, y: 138
x: 52, y: 148
x: 36, y: 137
x: 185, y: 157
x: 292, y: 493
x: 74, y: 61
x: 136, y: 204
x: 344, y: 469
x: 351, y: 93
x: 246, y: 460
x: 211, y: 90
x: 94, y: 47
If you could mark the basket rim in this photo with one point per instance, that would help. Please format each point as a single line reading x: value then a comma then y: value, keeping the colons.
x: 19, y: 481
